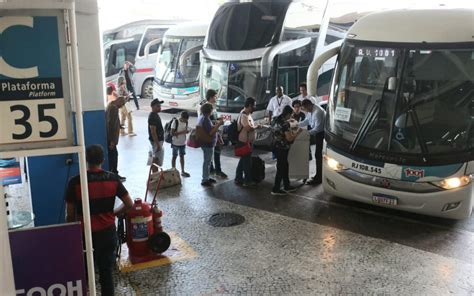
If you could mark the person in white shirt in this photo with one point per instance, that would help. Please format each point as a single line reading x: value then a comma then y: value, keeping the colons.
x: 304, y: 95
x: 315, y: 120
x: 179, y: 129
x: 277, y: 103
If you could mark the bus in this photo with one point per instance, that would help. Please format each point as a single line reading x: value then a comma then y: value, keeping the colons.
x: 253, y: 46
x: 132, y: 48
x: 177, y: 72
x: 399, y: 128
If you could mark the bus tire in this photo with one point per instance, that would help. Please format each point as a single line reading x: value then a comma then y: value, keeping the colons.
x: 147, y: 89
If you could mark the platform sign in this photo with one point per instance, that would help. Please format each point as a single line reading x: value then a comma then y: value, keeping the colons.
x: 34, y: 91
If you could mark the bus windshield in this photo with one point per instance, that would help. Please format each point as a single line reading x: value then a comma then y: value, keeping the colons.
x: 417, y: 102
x: 169, y: 71
x: 234, y: 82
x: 248, y: 25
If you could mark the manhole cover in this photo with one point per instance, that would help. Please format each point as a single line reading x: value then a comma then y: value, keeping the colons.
x: 225, y: 219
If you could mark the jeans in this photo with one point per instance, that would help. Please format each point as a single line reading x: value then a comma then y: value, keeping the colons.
x: 282, y: 169
x: 244, y: 168
x: 206, y: 165
x: 113, y: 159
x: 319, y: 156
x: 216, y: 165
x: 134, y: 96
x: 105, y: 247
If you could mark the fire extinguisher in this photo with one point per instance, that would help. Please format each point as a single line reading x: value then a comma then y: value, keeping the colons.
x: 139, y: 228
x: 144, y: 231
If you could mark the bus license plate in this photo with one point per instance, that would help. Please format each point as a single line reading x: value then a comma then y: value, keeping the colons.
x: 385, y: 199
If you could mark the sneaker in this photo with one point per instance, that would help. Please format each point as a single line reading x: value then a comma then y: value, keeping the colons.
x: 122, y: 179
x: 278, y: 192
x: 185, y: 174
x: 238, y: 182
x: 212, y: 172
x: 221, y: 174
x: 132, y: 135
x: 290, y: 189
x: 212, y: 180
x: 207, y: 183
x: 250, y: 185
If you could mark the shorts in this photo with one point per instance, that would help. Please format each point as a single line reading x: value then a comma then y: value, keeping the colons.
x: 181, y: 150
x: 157, y: 155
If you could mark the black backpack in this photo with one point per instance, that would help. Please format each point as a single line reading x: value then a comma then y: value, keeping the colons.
x: 168, y: 134
x: 233, y: 132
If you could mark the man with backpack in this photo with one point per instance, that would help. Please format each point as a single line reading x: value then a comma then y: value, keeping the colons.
x: 179, y: 129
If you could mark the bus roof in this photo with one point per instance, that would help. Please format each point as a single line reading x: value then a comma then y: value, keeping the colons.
x: 440, y: 25
x: 191, y: 29
x: 149, y: 22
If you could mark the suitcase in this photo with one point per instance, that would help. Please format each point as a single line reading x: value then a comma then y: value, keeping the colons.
x: 258, y: 169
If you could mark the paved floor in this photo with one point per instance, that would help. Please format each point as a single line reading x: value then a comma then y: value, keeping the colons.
x: 306, y: 243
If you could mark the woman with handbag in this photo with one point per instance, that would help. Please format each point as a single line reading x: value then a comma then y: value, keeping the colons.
x: 246, y: 127
x: 284, y: 137
x: 207, y: 137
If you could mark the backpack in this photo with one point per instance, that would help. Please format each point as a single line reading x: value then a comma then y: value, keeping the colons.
x: 233, y: 132
x: 168, y: 128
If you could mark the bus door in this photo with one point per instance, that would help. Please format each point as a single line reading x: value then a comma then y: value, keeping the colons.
x: 145, y: 62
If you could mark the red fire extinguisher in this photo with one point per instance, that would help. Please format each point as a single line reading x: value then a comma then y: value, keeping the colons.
x: 145, y: 236
x: 139, y: 228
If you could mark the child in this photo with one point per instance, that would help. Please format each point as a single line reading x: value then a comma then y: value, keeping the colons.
x: 179, y: 129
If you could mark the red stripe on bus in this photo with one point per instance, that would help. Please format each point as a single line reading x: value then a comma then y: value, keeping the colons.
x: 143, y: 70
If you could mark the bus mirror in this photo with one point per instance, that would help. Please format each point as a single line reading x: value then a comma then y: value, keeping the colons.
x: 392, y: 83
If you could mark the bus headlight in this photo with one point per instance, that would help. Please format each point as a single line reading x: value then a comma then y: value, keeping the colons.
x: 453, y: 183
x: 333, y: 164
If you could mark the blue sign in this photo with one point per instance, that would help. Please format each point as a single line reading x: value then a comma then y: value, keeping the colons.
x: 32, y: 102
x: 30, y: 66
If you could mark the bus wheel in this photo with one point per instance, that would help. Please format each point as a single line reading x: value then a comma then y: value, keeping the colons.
x: 147, y: 89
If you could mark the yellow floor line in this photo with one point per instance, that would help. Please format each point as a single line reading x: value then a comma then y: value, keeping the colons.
x: 179, y: 250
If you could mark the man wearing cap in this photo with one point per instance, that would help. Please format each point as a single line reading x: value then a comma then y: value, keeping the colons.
x: 156, y: 133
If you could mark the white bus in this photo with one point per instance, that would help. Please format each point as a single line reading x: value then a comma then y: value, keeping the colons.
x: 400, y: 123
x: 253, y: 46
x: 132, y: 49
x: 177, y: 71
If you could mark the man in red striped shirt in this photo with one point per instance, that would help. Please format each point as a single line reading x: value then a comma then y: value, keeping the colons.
x: 104, y: 187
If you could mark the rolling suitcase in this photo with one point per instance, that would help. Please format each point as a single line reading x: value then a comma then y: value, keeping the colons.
x: 258, y: 169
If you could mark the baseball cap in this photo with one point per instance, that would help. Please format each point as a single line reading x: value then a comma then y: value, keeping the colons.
x: 156, y: 102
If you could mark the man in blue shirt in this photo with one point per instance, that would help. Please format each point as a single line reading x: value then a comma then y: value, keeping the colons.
x: 315, y: 120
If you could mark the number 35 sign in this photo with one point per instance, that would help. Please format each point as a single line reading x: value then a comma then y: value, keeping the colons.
x: 34, y: 91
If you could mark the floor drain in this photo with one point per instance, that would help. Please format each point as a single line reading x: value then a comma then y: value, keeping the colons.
x: 225, y: 219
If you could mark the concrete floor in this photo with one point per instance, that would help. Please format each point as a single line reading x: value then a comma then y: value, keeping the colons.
x: 306, y: 243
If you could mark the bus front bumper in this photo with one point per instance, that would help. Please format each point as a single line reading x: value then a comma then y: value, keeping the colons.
x: 451, y: 204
